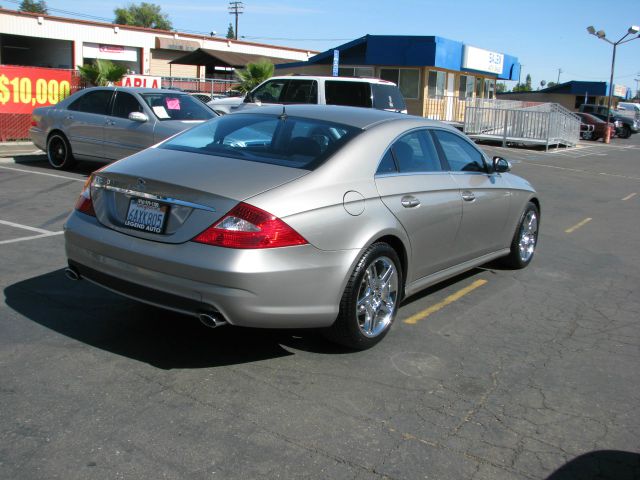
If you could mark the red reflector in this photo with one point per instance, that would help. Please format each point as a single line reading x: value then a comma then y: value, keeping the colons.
x: 246, y: 226
x: 84, y: 203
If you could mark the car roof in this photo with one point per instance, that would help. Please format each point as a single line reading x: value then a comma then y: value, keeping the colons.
x: 328, y: 77
x: 138, y: 90
x: 358, y: 117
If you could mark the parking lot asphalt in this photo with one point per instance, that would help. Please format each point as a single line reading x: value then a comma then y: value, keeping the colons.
x: 495, y: 374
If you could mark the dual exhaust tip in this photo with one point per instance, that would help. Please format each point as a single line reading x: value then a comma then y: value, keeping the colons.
x: 210, y: 319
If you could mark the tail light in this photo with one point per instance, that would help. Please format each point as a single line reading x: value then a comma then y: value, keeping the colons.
x: 246, y: 226
x: 84, y: 203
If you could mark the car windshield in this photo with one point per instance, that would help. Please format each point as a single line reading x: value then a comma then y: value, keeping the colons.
x: 173, y: 106
x: 276, y: 139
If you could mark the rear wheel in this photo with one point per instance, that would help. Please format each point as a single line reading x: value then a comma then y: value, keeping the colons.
x: 525, y: 239
x: 370, y: 301
x: 59, y: 152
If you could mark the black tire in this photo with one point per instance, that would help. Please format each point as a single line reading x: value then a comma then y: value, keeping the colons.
x: 518, y: 258
x: 350, y: 326
x: 625, y: 132
x: 59, y: 152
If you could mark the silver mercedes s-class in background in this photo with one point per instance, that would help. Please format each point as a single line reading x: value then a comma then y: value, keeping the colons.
x: 300, y: 216
x: 109, y: 123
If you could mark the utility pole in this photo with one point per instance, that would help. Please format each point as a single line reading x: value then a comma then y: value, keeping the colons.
x: 559, y: 72
x: 235, y: 8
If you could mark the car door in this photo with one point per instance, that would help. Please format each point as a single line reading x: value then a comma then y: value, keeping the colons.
x: 485, y: 196
x: 122, y: 136
x: 424, y: 198
x: 84, y: 121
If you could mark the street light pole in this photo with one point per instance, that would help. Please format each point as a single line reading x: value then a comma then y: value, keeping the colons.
x: 633, y: 30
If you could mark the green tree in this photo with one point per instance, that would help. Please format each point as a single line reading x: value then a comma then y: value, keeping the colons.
x: 102, y: 72
x: 528, y: 83
x: 551, y: 84
x: 230, y: 33
x: 501, y: 87
x: 147, y: 15
x: 254, y: 74
x: 34, y: 6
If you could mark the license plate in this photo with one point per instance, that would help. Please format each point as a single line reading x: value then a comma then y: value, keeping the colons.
x: 146, y: 215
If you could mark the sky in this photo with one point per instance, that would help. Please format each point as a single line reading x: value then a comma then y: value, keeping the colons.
x: 545, y: 35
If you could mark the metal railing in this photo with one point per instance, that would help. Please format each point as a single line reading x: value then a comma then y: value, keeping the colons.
x: 523, y: 122
x: 212, y: 86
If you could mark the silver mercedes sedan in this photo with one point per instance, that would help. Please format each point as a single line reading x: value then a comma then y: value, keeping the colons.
x: 300, y: 216
x: 109, y: 123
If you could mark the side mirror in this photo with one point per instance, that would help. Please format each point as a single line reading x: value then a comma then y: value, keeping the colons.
x: 138, y: 117
x: 501, y: 165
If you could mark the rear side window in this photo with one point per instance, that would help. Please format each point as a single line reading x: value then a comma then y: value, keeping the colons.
x: 460, y: 154
x: 415, y: 153
x: 96, y: 101
x: 387, y: 97
x: 287, y: 141
x: 353, y: 94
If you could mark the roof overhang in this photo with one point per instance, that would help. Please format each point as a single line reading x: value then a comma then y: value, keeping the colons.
x: 216, y: 58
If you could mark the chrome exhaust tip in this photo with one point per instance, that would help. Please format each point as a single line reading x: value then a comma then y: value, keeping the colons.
x: 212, y: 320
x: 72, y: 274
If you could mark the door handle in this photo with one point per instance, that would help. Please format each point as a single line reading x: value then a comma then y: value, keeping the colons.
x: 409, y: 201
x: 69, y: 117
x: 468, y: 196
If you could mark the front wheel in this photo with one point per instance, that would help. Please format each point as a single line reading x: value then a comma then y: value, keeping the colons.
x: 59, y: 152
x: 525, y: 239
x: 588, y: 135
x: 370, y: 301
x: 625, y: 132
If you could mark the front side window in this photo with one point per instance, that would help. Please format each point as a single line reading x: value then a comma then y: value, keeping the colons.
x: 280, y: 140
x: 171, y: 106
x: 353, y: 94
x: 460, y: 154
x: 407, y: 80
x: 415, y: 153
x: 285, y: 91
x: 124, y: 104
x: 96, y: 101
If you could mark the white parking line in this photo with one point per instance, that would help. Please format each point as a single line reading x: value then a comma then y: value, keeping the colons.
x: 42, y: 232
x: 43, y: 173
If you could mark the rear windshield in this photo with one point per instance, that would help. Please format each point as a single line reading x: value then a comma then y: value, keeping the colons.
x: 172, y: 106
x: 387, y: 97
x: 276, y: 139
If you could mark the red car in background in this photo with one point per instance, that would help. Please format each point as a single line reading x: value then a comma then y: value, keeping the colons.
x: 593, y: 128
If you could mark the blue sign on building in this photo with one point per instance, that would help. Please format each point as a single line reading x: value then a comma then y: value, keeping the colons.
x: 336, y: 62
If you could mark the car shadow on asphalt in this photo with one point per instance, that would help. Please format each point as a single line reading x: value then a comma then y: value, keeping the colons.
x: 600, y: 465
x: 164, y: 339
x: 40, y: 161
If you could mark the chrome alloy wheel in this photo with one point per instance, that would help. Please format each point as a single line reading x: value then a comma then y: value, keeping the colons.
x: 377, y: 297
x: 528, y: 236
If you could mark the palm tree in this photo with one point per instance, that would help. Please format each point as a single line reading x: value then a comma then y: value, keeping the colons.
x: 254, y: 74
x: 102, y: 73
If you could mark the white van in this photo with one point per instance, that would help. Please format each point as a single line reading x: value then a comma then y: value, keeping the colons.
x: 629, y: 109
x: 349, y: 91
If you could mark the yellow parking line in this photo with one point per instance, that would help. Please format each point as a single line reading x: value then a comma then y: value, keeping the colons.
x: 578, y: 225
x: 413, y: 319
x: 629, y: 197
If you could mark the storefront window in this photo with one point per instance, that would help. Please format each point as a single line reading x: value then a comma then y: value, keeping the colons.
x: 436, y: 84
x: 407, y: 79
x: 355, y: 71
x: 479, y: 87
x: 489, y: 88
x: 465, y: 88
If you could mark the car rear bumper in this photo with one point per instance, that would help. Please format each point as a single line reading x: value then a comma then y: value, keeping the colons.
x: 38, y: 138
x: 293, y: 287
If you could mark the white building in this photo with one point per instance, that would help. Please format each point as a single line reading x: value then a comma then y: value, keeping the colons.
x: 35, y: 40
